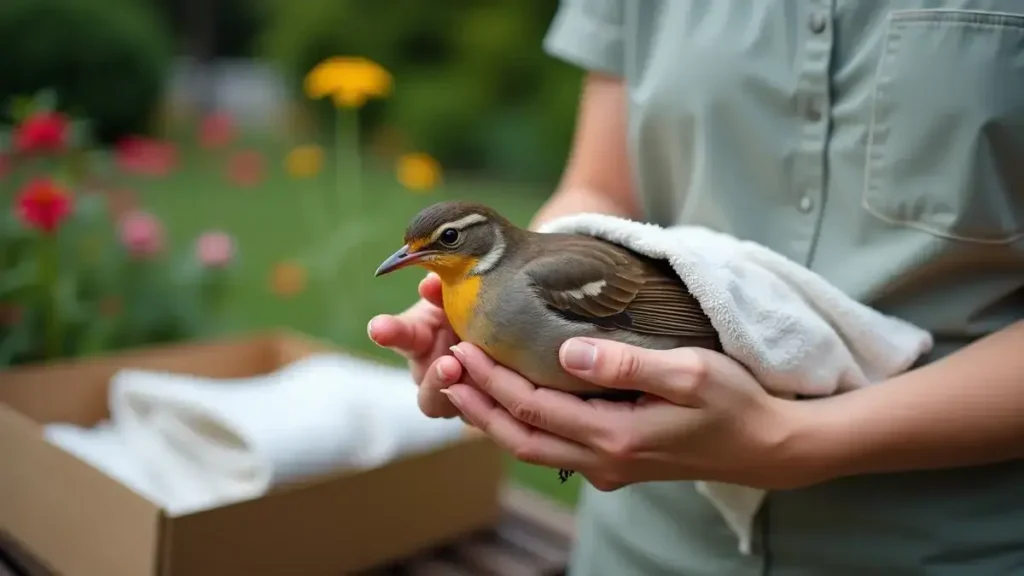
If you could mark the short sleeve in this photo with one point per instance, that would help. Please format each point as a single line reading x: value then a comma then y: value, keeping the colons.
x: 589, y: 34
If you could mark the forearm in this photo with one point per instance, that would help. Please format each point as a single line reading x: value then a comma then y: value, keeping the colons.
x: 568, y: 201
x: 597, y: 174
x: 966, y: 409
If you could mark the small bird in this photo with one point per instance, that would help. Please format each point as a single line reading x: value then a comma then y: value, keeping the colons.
x: 518, y: 294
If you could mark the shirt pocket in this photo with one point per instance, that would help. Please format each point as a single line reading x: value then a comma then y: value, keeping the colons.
x: 945, y: 150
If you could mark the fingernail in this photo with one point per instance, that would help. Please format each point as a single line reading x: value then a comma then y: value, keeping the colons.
x: 452, y: 396
x: 458, y: 352
x: 369, y: 329
x: 579, y: 355
x: 440, y: 373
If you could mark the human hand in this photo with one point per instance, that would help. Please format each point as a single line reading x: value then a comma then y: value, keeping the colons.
x: 423, y: 336
x: 703, y: 417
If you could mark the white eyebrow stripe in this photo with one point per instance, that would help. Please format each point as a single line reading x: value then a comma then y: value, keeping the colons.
x: 491, y: 259
x: 460, y: 224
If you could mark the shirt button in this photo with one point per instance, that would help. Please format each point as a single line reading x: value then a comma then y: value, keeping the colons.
x: 817, y: 23
x: 805, y: 204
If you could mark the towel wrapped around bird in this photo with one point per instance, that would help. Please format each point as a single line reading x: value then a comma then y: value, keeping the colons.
x: 519, y: 294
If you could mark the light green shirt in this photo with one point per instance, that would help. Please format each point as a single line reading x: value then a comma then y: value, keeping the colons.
x: 879, y: 143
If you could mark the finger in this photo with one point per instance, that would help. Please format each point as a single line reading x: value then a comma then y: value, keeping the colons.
x: 676, y: 375
x: 441, y: 374
x: 444, y: 339
x: 551, y: 410
x: 527, y: 444
x: 410, y: 336
x: 430, y: 290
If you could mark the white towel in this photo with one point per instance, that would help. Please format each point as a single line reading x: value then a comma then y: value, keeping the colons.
x: 201, y: 443
x: 104, y: 448
x: 794, y: 331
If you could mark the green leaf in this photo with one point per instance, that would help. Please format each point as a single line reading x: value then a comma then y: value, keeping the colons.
x: 16, y: 341
x: 187, y: 271
x: 17, y: 279
x: 101, y: 161
x: 21, y: 107
x: 45, y: 100
x: 98, y: 336
x: 91, y: 208
x: 15, y: 229
x: 80, y: 133
x: 68, y: 304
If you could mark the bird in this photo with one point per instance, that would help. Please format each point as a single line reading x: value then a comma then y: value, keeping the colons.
x: 518, y: 295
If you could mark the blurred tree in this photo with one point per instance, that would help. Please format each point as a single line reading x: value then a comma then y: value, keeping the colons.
x: 229, y: 27
x: 106, y: 60
x: 205, y: 30
x: 201, y: 34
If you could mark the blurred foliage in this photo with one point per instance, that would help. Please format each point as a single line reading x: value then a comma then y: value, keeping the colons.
x: 234, y: 24
x: 473, y: 85
x: 106, y: 58
x: 80, y: 272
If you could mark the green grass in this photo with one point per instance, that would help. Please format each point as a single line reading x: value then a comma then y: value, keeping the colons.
x: 269, y: 224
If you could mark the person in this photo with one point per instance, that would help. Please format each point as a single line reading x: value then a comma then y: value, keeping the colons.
x: 877, y: 143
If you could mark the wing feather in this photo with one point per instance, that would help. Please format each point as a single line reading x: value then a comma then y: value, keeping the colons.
x: 589, y: 279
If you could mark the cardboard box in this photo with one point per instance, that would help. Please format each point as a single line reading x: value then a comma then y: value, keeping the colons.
x: 79, y: 521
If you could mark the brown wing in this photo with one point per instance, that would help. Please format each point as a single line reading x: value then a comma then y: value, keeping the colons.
x: 589, y: 279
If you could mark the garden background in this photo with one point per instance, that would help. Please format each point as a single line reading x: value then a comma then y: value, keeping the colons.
x: 171, y: 169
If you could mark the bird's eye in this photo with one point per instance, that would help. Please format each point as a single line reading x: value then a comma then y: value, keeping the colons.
x: 449, y: 237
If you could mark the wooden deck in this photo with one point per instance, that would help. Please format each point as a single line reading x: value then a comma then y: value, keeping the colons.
x: 532, y: 539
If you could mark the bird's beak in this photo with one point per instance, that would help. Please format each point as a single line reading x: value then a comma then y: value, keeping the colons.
x: 401, y: 259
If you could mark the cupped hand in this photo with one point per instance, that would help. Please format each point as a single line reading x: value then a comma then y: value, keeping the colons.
x: 423, y: 336
x: 703, y: 417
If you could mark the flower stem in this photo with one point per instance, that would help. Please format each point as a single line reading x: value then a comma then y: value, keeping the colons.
x: 348, y: 201
x: 357, y: 164
x: 213, y: 292
x: 48, y: 278
x: 318, y: 209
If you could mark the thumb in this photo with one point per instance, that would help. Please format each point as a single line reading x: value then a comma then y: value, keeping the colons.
x: 674, y: 375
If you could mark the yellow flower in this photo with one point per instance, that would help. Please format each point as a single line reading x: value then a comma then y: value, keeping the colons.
x: 418, y: 171
x: 304, y: 161
x: 287, y: 279
x: 348, y: 80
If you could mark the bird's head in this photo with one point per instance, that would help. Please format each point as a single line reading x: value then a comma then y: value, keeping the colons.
x: 453, y: 240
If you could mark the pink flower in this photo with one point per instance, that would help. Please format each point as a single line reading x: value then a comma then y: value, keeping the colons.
x: 216, y: 130
x: 215, y: 249
x: 246, y: 168
x: 142, y: 234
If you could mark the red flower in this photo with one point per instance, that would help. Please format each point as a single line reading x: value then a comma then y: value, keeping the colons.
x: 146, y: 156
x: 45, y: 132
x: 43, y: 204
x: 216, y: 130
x: 246, y: 168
